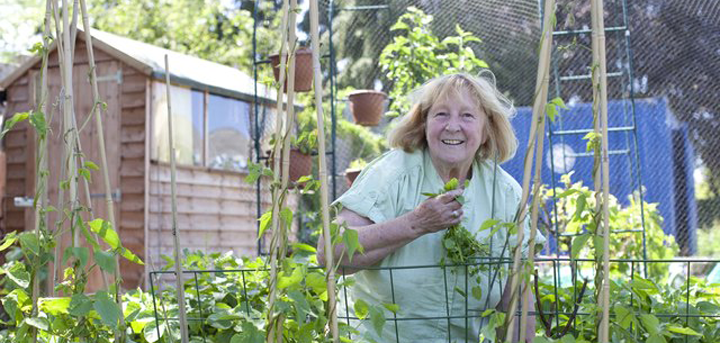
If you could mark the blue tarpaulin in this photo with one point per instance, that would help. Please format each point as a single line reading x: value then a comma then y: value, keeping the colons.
x: 665, y: 155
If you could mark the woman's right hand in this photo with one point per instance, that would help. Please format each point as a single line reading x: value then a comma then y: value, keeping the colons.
x: 438, y: 213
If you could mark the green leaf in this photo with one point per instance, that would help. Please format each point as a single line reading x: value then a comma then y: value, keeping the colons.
x: 108, y: 309
x: 264, y: 222
x: 82, y: 254
x: 580, y: 206
x: 657, y: 338
x: 106, y: 260
x: 377, y: 318
x: 38, y: 322
x: 551, y: 111
x: 394, y: 308
x: 558, y: 102
x: 578, y: 243
x: 477, y: 292
x: 451, y: 185
x: 90, y: 165
x: 302, y: 307
x: 29, y: 241
x: 651, y: 323
x: 8, y: 240
x: 80, y: 305
x: 85, y: 173
x: 150, y: 332
x: 361, y: 309
x: 683, y: 330
x: 54, y: 306
x: 623, y: 316
x: 488, y: 224
x: 14, y: 120
x: 130, y: 256
x: 19, y: 275
x: 294, y: 279
x: 286, y: 215
x: 37, y: 120
x: 303, y: 247
x: 352, y: 242
x: 105, y: 230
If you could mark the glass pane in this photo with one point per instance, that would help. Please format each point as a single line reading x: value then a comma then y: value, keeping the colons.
x: 198, y: 118
x: 183, y: 121
x: 229, y: 138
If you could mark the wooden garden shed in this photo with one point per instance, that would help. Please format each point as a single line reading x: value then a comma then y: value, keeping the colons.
x: 212, y: 114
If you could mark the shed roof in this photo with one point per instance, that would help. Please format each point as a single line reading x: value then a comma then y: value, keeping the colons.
x: 186, y: 70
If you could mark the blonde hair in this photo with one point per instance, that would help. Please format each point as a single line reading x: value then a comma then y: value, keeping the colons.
x: 409, y: 134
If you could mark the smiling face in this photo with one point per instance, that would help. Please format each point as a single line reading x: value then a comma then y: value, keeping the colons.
x: 455, y: 129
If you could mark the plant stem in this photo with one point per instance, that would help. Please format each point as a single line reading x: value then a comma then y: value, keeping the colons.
x: 322, y: 169
x: 41, y: 163
x: 180, y: 290
x: 276, y: 192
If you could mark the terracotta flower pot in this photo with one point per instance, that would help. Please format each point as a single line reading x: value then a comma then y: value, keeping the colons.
x: 303, y: 69
x: 367, y: 106
x: 351, y: 174
x: 300, y: 164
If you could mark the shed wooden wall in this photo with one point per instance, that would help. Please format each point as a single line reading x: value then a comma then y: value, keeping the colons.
x: 123, y: 124
x: 18, y: 183
x: 216, y: 211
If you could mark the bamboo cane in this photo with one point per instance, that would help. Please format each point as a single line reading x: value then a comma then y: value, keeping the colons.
x: 176, y: 236
x: 598, y: 29
x: 536, y: 133
x: 68, y: 113
x: 276, y: 177
x: 101, y: 144
x: 322, y: 168
x: 63, y: 171
x: 73, y: 28
x: 543, y: 78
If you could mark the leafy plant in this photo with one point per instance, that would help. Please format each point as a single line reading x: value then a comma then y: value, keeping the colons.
x: 418, y: 55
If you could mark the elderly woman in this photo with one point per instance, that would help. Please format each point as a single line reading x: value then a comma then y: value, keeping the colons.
x: 457, y: 128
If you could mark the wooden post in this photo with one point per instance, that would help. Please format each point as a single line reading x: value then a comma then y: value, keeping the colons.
x: 537, y: 131
x: 601, y: 127
x: 180, y: 290
x: 322, y: 168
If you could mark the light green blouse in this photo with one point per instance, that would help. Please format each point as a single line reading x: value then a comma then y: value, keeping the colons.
x: 427, y: 295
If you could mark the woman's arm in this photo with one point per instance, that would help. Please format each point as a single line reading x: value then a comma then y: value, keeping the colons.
x: 381, y: 239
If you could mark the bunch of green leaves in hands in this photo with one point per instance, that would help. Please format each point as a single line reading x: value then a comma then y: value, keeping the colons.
x: 459, y: 243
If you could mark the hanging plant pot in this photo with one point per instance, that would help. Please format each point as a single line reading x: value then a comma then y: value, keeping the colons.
x: 351, y: 174
x: 367, y: 106
x: 300, y: 165
x: 303, y: 69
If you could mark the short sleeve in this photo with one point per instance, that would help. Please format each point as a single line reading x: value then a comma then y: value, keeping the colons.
x: 375, y: 192
x: 514, y: 194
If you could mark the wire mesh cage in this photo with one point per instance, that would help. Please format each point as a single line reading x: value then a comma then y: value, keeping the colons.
x: 662, y: 114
